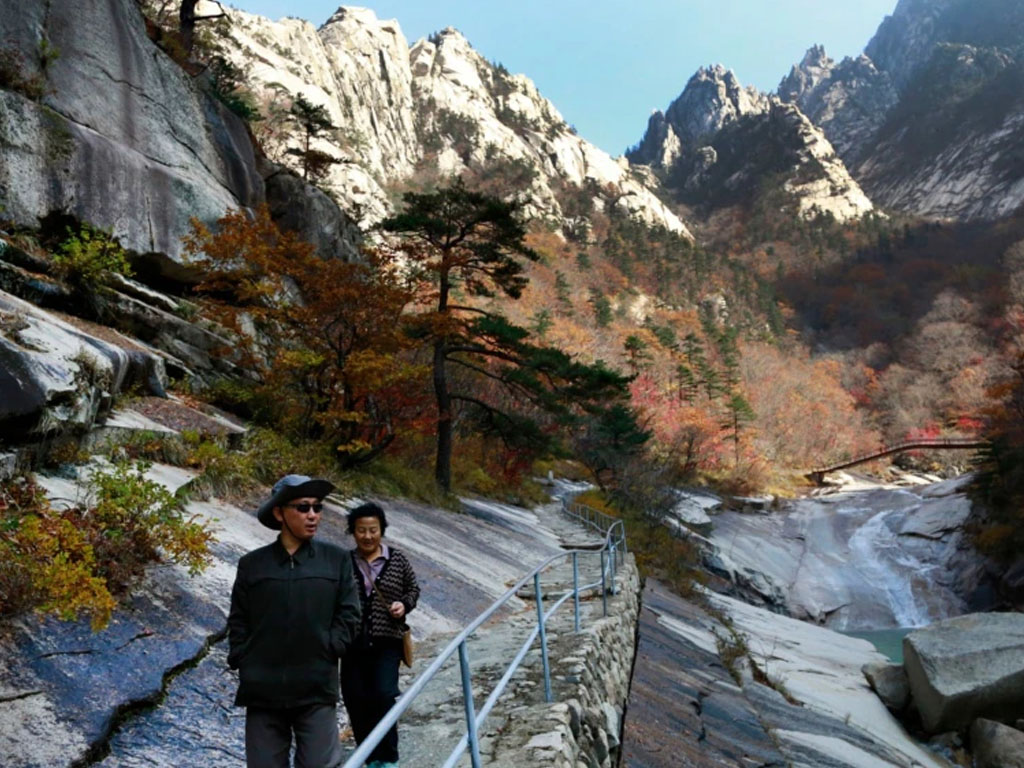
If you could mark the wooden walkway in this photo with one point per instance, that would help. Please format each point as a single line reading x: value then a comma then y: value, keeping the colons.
x: 966, y: 443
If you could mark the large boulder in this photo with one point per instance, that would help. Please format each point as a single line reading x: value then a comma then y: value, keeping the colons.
x: 121, y: 137
x: 56, y: 375
x: 996, y: 745
x: 889, y: 681
x: 967, y: 667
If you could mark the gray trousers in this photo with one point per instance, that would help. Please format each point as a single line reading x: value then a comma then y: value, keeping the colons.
x: 268, y: 737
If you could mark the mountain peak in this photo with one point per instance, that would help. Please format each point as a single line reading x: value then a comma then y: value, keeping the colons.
x: 816, y: 57
x: 815, y: 68
x: 712, y: 98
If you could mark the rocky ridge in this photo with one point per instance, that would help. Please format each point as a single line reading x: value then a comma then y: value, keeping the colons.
x: 437, y: 107
x: 702, y: 147
x: 930, y: 118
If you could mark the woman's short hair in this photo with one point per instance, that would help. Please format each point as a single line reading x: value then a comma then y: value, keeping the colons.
x: 369, y: 509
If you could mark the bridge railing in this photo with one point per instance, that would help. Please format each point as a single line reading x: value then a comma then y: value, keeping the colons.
x: 611, y: 552
x: 906, y: 445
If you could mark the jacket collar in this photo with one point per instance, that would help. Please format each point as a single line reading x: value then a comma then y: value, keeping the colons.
x: 306, y: 551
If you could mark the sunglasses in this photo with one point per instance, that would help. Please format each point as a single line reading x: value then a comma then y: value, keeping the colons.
x: 304, y: 507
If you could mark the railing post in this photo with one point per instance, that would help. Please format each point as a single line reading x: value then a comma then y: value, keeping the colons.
x: 576, y: 590
x: 543, y: 638
x: 604, y: 584
x: 613, y: 559
x: 467, y: 698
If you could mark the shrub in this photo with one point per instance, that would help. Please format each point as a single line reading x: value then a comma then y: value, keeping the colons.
x: 658, y: 553
x: 77, y: 560
x: 87, y: 258
x: 13, y: 77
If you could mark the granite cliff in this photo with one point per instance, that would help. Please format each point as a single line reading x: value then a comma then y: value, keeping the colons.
x: 719, y: 144
x: 930, y: 118
x: 429, y: 110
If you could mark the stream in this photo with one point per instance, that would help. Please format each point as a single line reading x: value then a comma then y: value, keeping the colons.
x: 878, y: 560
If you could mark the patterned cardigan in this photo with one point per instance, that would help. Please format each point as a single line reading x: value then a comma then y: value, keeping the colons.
x: 396, y: 582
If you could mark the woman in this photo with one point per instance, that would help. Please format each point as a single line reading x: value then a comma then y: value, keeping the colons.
x: 388, y: 591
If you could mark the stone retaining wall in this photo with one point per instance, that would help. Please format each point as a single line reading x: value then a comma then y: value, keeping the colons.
x: 590, y: 674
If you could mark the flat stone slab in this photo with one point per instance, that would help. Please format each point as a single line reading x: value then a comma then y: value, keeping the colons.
x: 684, y: 708
x: 967, y: 667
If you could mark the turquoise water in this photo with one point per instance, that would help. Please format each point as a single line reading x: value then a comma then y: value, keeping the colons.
x: 887, y: 641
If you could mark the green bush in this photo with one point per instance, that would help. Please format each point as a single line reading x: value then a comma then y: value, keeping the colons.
x: 78, y: 560
x: 88, y: 257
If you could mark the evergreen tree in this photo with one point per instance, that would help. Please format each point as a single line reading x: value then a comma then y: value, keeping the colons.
x: 542, y: 322
x: 564, y: 292
x: 602, y: 308
x: 458, y: 238
x: 636, y: 351
x: 739, y: 414
x: 314, y: 120
x: 611, y: 440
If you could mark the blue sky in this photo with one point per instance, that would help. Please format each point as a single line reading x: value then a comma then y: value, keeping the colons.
x: 606, y: 64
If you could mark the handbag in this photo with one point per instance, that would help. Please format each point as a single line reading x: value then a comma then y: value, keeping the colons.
x: 407, y: 646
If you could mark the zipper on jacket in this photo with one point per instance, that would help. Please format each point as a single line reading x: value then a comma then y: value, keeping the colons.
x: 288, y: 631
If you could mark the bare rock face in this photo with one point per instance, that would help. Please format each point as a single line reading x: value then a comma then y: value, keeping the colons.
x: 718, y: 142
x: 306, y: 210
x: 122, y: 138
x: 847, y: 100
x: 712, y: 99
x: 55, y: 376
x: 434, y: 109
x: 967, y: 667
x: 995, y: 745
x: 930, y: 118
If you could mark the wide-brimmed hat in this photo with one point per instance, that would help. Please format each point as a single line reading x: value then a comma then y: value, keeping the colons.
x: 287, y: 488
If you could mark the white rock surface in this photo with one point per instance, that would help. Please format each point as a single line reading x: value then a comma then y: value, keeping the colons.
x: 924, y: 67
x: 967, y: 667
x: 865, y: 560
x: 56, y: 376
x: 123, y: 139
x: 437, y: 107
x: 715, y: 110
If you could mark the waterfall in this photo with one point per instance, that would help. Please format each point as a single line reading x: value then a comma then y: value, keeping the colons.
x: 877, y: 554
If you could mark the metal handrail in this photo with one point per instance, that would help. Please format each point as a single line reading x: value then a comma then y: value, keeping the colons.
x: 926, y: 443
x: 614, y: 544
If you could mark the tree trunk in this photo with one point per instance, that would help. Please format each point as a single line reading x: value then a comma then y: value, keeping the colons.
x: 187, y: 24
x: 443, y: 460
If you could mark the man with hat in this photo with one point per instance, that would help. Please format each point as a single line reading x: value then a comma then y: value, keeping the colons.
x: 294, y: 612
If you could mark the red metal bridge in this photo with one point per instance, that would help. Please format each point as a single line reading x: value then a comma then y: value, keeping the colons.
x: 954, y: 443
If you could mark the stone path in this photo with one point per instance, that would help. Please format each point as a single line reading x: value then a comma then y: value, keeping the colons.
x: 433, y: 725
x: 195, y: 723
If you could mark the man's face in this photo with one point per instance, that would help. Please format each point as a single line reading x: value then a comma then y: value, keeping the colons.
x: 367, y: 533
x: 300, y: 516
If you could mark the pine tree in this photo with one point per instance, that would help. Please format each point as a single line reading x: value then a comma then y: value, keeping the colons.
x: 542, y: 322
x: 564, y: 292
x: 458, y: 238
x: 636, y: 351
x: 739, y: 415
x: 314, y: 120
x: 602, y: 308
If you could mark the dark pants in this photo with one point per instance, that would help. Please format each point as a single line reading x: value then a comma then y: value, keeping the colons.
x: 268, y: 737
x: 369, y: 687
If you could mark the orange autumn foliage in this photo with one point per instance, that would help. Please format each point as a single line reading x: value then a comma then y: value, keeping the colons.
x: 321, y: 339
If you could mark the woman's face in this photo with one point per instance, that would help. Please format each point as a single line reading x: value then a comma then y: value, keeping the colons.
x: 367, y: 533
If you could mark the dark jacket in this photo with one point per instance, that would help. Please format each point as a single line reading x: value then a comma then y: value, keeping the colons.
x: 396, y: 582
x: 292, y: 617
